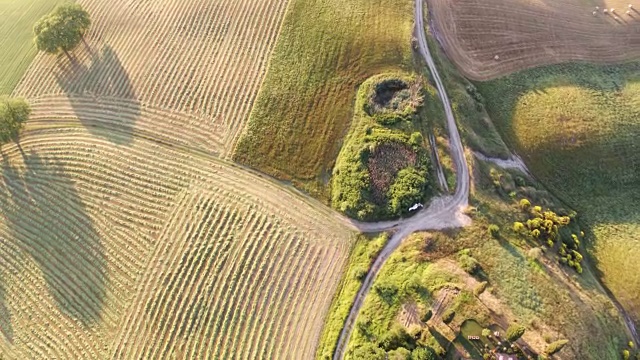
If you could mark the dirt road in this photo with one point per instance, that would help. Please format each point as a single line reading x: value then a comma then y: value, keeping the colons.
x: 444, y: 212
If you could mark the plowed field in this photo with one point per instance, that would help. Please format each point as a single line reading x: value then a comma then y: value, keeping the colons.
x: 148, y: 252
x: 528, y: 33
x: 122, y: 234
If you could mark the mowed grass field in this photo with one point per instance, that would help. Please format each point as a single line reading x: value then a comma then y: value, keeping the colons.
x: 528, y: 33
x: 326, y: 49
x: 16, y: 42
x: 150, y: 252
x: 122, y: 233
x: 576, y: 126
x: 198, y: 63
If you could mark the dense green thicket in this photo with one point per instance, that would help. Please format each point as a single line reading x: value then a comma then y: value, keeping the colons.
x: 383, y: 167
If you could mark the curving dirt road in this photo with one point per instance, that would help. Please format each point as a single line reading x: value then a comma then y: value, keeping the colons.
x: 443, y: 212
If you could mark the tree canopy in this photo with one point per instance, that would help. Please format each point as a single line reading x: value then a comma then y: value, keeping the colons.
x: 13, y: 113
x: 514, y: 332
x: 62, y: 29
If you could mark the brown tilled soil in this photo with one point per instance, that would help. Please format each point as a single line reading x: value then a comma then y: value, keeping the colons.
x: 384, y: 163
x: 528, y: 33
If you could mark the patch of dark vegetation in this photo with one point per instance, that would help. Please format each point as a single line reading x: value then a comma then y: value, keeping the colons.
x: 384, y: 162
x: 383, y: 167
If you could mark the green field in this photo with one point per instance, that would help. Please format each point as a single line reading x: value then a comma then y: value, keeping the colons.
x: 16, y: 38
x: 577, y: 127
x: 304, y: 109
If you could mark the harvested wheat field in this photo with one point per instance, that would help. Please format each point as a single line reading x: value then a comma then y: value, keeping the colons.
x: 198, y: 62
x: 147, y: 251
x: 528, y: 33
x: 122, y: 233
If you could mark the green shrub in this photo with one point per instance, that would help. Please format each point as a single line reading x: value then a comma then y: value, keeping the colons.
x: 427, y: 316
x: 387, y: 292
x: 468, y: 263
x: 626, y: 355
x: 369, y: 351
x: 555, y: 346
x: 514, y: 332
x: 525, y: 204
x: 424, y: 353
x: 494, y: 231
x: 480, y: 288
x: 448, y: 316
x: 399, y: 354
x: 406, y: 190
x: 518, y: 227
x: 397, y: 338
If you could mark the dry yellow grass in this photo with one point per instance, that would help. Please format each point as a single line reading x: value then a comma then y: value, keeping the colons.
x: 202, y: 59
x: 147, y: 251
x: 122, y: 235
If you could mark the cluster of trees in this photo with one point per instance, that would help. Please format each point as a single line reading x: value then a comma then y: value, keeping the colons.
x: 62, y: 30
x: 547, y: 227
x: 407, y: 189
x: 13, y: 114
x: 398, y: 344
x: 352, y: 184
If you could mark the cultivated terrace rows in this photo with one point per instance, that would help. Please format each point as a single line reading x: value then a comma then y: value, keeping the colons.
x: 152, y: 251
x: 203, y: 59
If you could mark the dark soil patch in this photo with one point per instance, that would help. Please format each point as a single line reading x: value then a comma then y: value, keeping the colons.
x: 387, y: 90
x: 384, y: 163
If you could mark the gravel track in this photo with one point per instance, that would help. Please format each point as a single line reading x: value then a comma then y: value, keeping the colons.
x: 443, y: 212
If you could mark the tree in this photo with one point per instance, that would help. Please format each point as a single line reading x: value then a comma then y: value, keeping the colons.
x: 427, y: 316
x: 514, y: 332
x: 13, y: 113
x: 423, y: 353
x: 399, y: 354
x: 486, y: 332
x: 494, y: 231
x: 406, y: 190
x: 556, y: 346
x: 62, y: 30
x: 369, y: 352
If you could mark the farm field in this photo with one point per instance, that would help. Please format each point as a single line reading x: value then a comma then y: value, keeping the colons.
x: 305, y: 106
x: 16, y: 42
x: 529, y: 33
x: 589, y: 159
x: 122, y: 233
x: 148, y: 251
x: 198, y: 63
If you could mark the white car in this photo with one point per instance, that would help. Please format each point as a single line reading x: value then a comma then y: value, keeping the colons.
x: 416, y: 207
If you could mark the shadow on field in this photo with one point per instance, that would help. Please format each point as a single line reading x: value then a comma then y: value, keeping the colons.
x: 101, y: 94
x: 49, y: 221
x: 5, y: 317
x: 586, y: 158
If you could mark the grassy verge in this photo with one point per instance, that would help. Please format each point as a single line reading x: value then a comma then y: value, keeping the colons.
x: 16, y: 38
x: 383, y: 166
x: 362, y: 256
x: 475, y: 126
x: 325, y: 50
x: 577, y: 128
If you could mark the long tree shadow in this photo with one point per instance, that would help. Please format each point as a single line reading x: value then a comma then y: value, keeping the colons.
x: 101, y: 94
x: 48, y: 220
